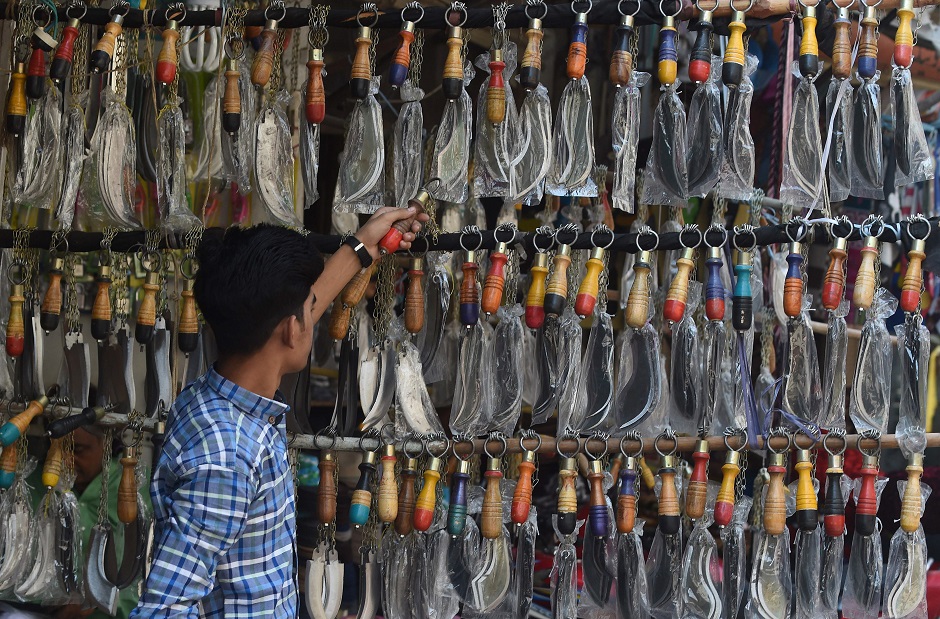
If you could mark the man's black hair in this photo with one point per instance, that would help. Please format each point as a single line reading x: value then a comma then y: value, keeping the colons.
x: 250, y: 279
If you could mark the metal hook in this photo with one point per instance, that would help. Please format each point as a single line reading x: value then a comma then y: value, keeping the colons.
x: 460, y: 439
x: 602, y: 229
x: 634, y: 436
x: 620, y: 8
x: 647, y: 231
x: 691, y: 228
x: 456, y: 7
x: 917, y: 219
x: 596, y: 436
x: 729, y: 432
x: 662, y: 8
x: 469, y: 231
x: 500, y: 438
x: 546, y: 232
x: 778, y: 431
x: 575, y: 10
x: 874, y: 435
x: 801, y: 230
x: 716, y: 228
x: 669, y: 435
x: 413, y: 6
x: 839, y: 435
x: 568, y: 434
x: 531, y: 3
x: 744, y: 230
x: 530, y: 434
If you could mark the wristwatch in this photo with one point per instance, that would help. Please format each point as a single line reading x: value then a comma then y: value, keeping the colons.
x: 365, y: 258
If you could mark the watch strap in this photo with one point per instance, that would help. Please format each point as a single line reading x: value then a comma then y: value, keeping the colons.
x: 365, y: 258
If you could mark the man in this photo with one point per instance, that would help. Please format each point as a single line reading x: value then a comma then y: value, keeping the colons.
x: 223, y: 494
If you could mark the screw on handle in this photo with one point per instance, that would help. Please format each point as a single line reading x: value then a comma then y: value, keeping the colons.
x: 678, y: 295
x: 16, y: 327
x: 667, y: 66
x: 904, y: 38
x: 732, y: 68
x: 61, y: 427
x: 361, y: 503
x: 670, y: 520
x: 406, y: 498
x: 806, y: 503
x: 577, y: 49
x: 556, y: 294
x: 100, y: 59
x: 842, y: 46
x: 834, y: 505
x: 414, y: 298
x: 638, y: 302
x: 315, y: 95
x: 8, y: 460
x: 495, y: 280
x: 775, y: 506
x: 51, y: 307
x: 621, y: 62
x: 12, y: 430
x: 36, y: 74
x: 913, y: 278
x: 700, y: 63
x: 496, y: 90
x: 62, y: 61
x: 567, y: 496
x: 52, y: 467
x: 457, y: 511
x: 698, y: 482
x: 452, y: 82
x: 793, y: 285
x: 864, y: 293
x: 809, y: 46
x: 188, y: 336
x: 491, y: 516
x: 535, y: 299
x: 469, y: 293
x: 388, y: 487
x: 724, y: 502
x: 834, y: 282
x: 598, y: 515
x: 522, y: 497
x: 101, y: 310
x: 168, y: 62
x: 147, y: 312
x: 626, y: 499
x: 326, y: 491
x: 911, y: 501
x: 868, y: 44
x: 263, y: 64
x: 427, y: 499
x: 714, y: 289
x: 866, y: 504
x: 16, y: 101
x: 361, y: 74
x: 742, y: 303
x: 401, y: 61
x: 127, y: 490
x: 586, y: 300
x: 530, y: 71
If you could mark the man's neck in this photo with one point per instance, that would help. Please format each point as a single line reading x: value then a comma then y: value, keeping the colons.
x: 258, y: 375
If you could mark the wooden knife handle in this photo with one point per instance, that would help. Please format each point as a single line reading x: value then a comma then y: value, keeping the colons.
x: 315, y: 97
x: 913, y: 281
x: 469, y: 295
x: 535, y: 299
x: 834, y: 281
x: 793, y: 286
x: 401, y: 61
x: 16, y: 101
x: 904, y: 38
x: 864, y: 293
x: 361, y: 504
x: 638, y: 303
x: 361, y: 73
x: 167, y: 61
x: 732, y: 69
x: 52, y: 468
x: 911, y: 501
x: 127, y: 491
x: 700, y: 62
x: 621, y: 62
x: 457, y: 510
x: 36, y: 74
x: 494, y: 282
x: 452, y: 83
x: 414, y: 301
x: 65, y: 51
x: 866, y: 504
x: 626, y: 501
x: 100, y: 59
x: 806, y: 502
x: 496, y: 93
x: 556, y: 294
x: 698, y: 485
x: 263, y: 64
x: 567, y: 500
x: 13, y: 429
x: 356, y: 288
x: 530, y: 72
x: 724, y: 502
x: 678, y: 295
x: 775, y: 508
x: 491, y: 516
x: 427, y: 500
x: 577, y: 51
x: 667, y: 65
x: 842, y: 49
x: 834, y: 506
x: 406, y: 502
x: 868, y: 46
x: 326, y: 491
x: 8, y: 461
x: 16, y: 327
x: 147, y: 312
x: 669, y: 512
x: 522, y: 497
x: 714, y: 290
x: 51, y: 307
x: 742, y: 302
x: 586, y: 300
x: 188, y: 336
x: 598, y: 516
x: 101, y: 310
x: 388, y: 490
x: 809, y: 46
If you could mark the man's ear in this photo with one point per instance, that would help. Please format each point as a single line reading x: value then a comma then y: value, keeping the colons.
x: 288, y: 330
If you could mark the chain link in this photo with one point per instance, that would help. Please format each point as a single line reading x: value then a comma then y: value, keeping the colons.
x: 79, y: 82
x: 104, y: 499
x: 318, y: 35
x: 417, y: 58
x: 383, y: 311
x: 73, y: 322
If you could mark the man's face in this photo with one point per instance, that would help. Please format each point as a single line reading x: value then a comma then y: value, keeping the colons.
x: 89, y: 450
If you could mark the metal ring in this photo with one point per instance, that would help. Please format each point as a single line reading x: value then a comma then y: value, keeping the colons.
x: 574, y: 10
x: 565, y: 436
x: 668, y: 435
x: 602, y: 228
x: 500, y: 438
x: 647, y: 231
x: 662, y: 9
x: 801, y: 230
x: 367, y: 8
x: 778, y: 431
x: 45, y: 11
x: 566, y: 229
x: 413, y: 6
x: 691, y: 228
x: 189, y: 267
x: 459, y: 439
x: 527, y: 434
x: 456, y: 7
x: 866, y: 5
x: 620, y: 8
x: 531, y: 3
x: 716, y: 228
x: 387, y: 433
x: 749, y: 5
x: 373, y: 434
x: 546, y: 232
x: 870, y: 435
x: 699, y: 6
x: 917, y: 219
x: 179, y: 12
x: 276, y: 4
x: 508, y: 227
x: 77, y: 4
x: 137, y: 436
x: 871, y: 222
x: 729, y: 432
x: 744, y: 230
x: 839, y: 434
x: 596, y: 436
x: 439, y: 437
x: 410, y: 439
x: 842, y: 219
x: 116, y: 9
x: 847, y: 6
x: 634, y: 436
x: 470, y: 230
x: 20, y: 269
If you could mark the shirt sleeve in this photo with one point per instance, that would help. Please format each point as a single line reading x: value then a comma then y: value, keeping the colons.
x: 207, y: 510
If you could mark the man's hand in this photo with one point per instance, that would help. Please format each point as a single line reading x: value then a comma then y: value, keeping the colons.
x: 378, y: 225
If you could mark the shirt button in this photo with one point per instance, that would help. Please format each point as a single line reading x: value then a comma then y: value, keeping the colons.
x: 272, y: 419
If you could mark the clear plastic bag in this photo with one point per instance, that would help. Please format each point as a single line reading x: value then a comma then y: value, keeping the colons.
x: 208, y: 156
x: 625, y: 137
x: 564, y: 578
x: 871, y: 395
x: 468, y: 394
x: 37, y: 175
x: 802, y: 392
x: 914, y: 358
x: 806, y: 573
x: 717, y: 387
x: 437, y: 303
x: 734, y: 563
x: 771, y: 584
x: 407, y: 150
x: 833, y: 385
x: 414, y: 403
x: 310, y: 160
x: 912, y: 155
x: 666, y: 180
x: 570, y: 335
x: 171, y: 171
x: 833, y: 561
x: 398, y: 574
x: 73, y: 159
x: 664, y: 570
x: 596, y: 381
x: 503, y: 372
x: 639, y: 381
x: 532, y: 160
x: 685, y: 371
x: 868, y: 170
x: 451, y: 157
x: 699, y: 585
x: 361, y: 184
x: 546, y: 347
x: 572, y: 169
x: 706, y: 148
x: 839, y: 104
x: 803, y: 183
x: 632, y: 598
x: 906, y: 578
x: 861, y: 596
x: 274, y: 162
x: 238, y: 152
x: 495, y: 146
x: 737, y: 168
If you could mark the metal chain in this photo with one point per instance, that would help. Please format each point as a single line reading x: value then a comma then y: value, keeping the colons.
x: 318, y: 35
x: 120, y: 273
x: 277, y: 74
x: 573, y: 275
x: 432, y: 228
x: 383, y: 312
x: 104, y: 499
x: 602, y: 283
x: 511, y: 288
x: 417, y: 58
x: 741, y: 478
x: 73, y: 322
x: 80, y: 64
x: 766, y: 339
x: 499, y: 24
x: 120, y: 57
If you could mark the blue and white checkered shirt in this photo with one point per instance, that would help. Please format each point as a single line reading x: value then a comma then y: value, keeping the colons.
x: 223, y: 500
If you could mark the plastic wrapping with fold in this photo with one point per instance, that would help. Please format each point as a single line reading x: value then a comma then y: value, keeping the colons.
x: 16, y: 515
x: 451, y: 154
x: 572, y: 169
x: 737, y: 167
x: 771, y: 584
x: 73, y: 158
x: 570, y: 336
x: 208, y: 155
x: 467, y: 407
x: 598, y: 598
x: 310, y: 160
x: 914, y: 357
x: 238, y: 151
x: 706, y: 147
x: 833, y: 561
x: 632, y: 596
x: 546, y: 359
x: 861, y: 595
x: 832, y: 414
x: 871, y: 397
x: 698, y: 584
x: 595, y: 388
x: 532, y: 159
x: 407, y: 151
x: 414, y: 403
x: 734, y: 564
x: 274, y: 162
x: 40, y: 154
x: 803, y: 184
x: 906, y: 577
x: 915, y: 162
x: 361, y: 184
x: 503, y: 373
x: 495, y: 145
x: 717, y: 385
x: 685, y: 370
x: 868, y: 160
x: 564, y: 574
x: 666, y: 179
x: 802, y: 391
x: 171, y: 171
x: 639, y: 383
x: 437, y: 293
x: 378, y: 380
x: 664, y: 569
x: 625, y: 137
x: 839, y: 106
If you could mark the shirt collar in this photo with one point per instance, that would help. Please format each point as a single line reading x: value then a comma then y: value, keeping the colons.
x: 247, y: 401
